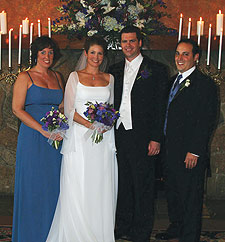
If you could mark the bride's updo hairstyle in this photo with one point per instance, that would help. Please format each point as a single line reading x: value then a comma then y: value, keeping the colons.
x: 41, y: 43
x: 95, y: 40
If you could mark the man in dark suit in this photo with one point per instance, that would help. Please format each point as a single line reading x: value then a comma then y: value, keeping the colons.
x: 140, y: 95
x: 190, y: 119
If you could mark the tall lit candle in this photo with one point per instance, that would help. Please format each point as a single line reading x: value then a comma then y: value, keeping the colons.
x: 49, y: 28
x: 219, y: 22
x: 0, y: 50
x: 31, y: 32
x: 200, y: 28
x: 3, y: 21
x: 10, y: 48
x: 39, y: 28
x: 220, y: 49
x: 180, y: 27
x: 209, y: 44
x: 189, y: 28
x: 25, y: 23
x: 20, y: 44
x: 31, y: 36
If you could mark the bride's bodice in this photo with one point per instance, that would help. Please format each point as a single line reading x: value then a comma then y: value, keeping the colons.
x: 90, y: 94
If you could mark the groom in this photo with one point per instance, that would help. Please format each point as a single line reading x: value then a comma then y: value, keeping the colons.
x: 140, y: 85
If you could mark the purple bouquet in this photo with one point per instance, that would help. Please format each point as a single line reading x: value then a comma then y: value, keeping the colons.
x: 54, y: 122
x: 103, y: 116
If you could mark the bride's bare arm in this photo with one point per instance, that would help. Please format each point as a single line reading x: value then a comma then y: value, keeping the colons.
x: 79, y: 119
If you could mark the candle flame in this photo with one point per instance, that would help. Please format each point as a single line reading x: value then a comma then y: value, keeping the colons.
x: 21, y: 26
x: 32, y: 24
x: 181, y: 15
x: 219, y: 11
x: 39, y: 20
x: 189, y: 19
x: 210, y: 26
x: 26, y: 18
x: 200, y: 18
x: 3, y: 11
x: 49, y: 19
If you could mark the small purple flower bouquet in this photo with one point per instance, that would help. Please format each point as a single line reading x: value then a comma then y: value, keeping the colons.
x: 55, y: 122
x: 102, y: 116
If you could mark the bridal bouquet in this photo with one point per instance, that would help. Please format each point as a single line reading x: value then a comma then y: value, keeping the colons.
x: 102, y: 116
x: 55, y: 122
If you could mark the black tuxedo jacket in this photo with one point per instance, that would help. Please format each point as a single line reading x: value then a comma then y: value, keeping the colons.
x: 148, y: 98
x: 191, y: 118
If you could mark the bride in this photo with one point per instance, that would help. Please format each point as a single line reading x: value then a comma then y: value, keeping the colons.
x: 88, y: 184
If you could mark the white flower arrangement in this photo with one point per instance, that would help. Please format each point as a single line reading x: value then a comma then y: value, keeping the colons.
x: 108, y: 17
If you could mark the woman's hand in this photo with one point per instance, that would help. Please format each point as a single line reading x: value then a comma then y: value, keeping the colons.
x: 54, y: 136
x: 46, y: 134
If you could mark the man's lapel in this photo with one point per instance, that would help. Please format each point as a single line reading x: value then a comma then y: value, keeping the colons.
x: 186, y: 83
x: 142, y: 67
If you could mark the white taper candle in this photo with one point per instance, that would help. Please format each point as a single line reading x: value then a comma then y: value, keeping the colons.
x: 209, y: 44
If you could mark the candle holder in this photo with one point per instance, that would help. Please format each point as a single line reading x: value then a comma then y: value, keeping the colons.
x: 19, y: 68
x: 212, y: 72
x: 9, y: 77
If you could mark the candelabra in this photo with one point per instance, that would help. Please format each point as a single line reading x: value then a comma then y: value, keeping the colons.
x: 10, y: 76
x: 211, y: 71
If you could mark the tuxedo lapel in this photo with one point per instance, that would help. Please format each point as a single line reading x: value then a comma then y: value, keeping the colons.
x: 143, y: 67
x: 186, y: 83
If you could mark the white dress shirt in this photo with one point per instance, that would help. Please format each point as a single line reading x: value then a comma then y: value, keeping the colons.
x: 130, y: 73
x: 186, y: 74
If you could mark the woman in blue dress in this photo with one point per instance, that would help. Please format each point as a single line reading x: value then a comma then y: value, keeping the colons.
x: 37, y: 163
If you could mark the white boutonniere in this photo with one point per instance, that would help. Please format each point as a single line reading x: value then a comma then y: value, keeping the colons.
x: 187, y: 83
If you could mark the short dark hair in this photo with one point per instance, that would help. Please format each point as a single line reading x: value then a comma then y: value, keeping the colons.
x: 132, y: 29
x: 195, y: 47
x: 95, y: 40
x: 41, y: 43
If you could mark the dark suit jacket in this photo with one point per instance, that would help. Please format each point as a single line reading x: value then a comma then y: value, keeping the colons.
x: 148, y: 98
x: 191, y: 119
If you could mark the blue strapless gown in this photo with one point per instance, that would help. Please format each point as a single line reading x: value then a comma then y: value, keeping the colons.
x: 37, y: 172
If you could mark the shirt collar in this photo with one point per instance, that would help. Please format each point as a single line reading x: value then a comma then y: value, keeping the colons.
x: 186, y: 73
x: 135, y: 63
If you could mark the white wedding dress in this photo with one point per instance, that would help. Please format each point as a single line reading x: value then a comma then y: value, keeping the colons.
x: 88, y: 184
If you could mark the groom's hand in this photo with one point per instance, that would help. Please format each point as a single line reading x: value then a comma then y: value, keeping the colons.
x: 153, y: 148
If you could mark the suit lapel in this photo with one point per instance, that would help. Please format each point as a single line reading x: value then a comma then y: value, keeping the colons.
x: 186, y: 83
x: 139, y: 78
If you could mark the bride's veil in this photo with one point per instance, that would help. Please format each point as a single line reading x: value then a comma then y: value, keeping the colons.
x: 82, y: 62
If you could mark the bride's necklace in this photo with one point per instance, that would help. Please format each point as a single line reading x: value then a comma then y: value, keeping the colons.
x: 93, y: 76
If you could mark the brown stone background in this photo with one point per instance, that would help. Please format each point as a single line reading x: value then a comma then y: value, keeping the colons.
x: 35, y: 9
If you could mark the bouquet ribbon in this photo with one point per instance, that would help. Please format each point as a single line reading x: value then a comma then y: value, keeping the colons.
x: 96, y: 132
x: 51, y: 139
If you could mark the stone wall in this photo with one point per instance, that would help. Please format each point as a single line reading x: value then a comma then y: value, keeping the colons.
x: 9, y: 124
